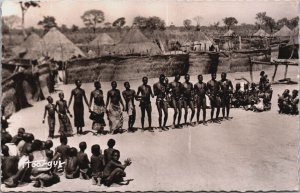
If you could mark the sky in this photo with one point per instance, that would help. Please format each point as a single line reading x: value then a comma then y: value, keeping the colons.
x: 68, y: 12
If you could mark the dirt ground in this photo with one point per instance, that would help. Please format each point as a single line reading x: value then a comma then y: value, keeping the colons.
x: 252, y: 151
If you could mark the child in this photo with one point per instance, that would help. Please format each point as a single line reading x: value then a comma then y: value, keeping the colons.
x: 48, y: 144
x: 97, y: 165
x: 72, y: 167
x: 83, y: 161
x: 50, y: 109
x: 114, y: 170
x: 64, y: 121
x: 108, y: 152
x: 19, y: 137
x: 61, y: 150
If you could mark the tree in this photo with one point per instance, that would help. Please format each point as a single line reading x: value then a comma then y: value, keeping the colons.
x: 230, y: 21
x: 294, y: 22
x: 48, y: 22
x: 260, y: 17
x: 198, y: 20
x: 74, y: 28
x: 92, y: 18
x: 24, y: 7
x: 216, y: 25
x: 187, y: 24
x: 282, y: 22
x: 119, y: 23
x: 270, y: 22
x: 150, y: 23
x: 64, y: 28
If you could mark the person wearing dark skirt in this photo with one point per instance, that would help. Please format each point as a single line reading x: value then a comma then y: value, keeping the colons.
x: 78, y: 94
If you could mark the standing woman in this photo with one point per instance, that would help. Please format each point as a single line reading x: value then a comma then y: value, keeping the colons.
x: 98, y: 108
x: 78, y: 94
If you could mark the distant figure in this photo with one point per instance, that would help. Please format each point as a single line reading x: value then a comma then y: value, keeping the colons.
x: 65, y: 127
x: 114, y: 111
x: 50, y: 109
x: 129, y: 96
x: 145, y: 102
x: 225, y: 94
x: 98, y: 108
x: 188, y: 98
x: 200, y: 89
x: 176, y: 89
x: 213, y: 88
x: 78, y: 94
x: 160, y: 91
x: 97, y: 165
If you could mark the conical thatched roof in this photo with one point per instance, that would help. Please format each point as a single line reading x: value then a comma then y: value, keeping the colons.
x: 33, y: 48
x: 261, y: 33
x: 102, y: 39
x: 136, y: 42
x: 283, y: 32
x: 229, y: 33
x: 59, y: 47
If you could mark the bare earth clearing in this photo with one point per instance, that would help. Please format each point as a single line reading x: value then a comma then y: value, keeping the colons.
x: 252, y: 151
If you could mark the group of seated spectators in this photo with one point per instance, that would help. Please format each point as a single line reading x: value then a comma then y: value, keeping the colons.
x: 288, y: 104
x: 257, y: 98
x: 26, y: 159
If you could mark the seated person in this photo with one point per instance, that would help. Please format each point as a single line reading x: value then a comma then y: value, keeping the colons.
x: 114, y: 171
x: 19, y: 137
x: 284, y: 102
x: 108, y: 152
x: 237, y: 96
x: 9, y: 166
x: 97, y: 165
x: 83, y: 161
x: 72, y: 166
x: 294, y: 102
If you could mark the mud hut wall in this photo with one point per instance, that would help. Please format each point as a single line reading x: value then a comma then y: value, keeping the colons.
x: 203, y: 62
x: 110, y: 68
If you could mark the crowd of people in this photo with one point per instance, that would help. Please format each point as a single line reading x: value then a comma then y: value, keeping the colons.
x: 26, y: 159
x: 176, y: 95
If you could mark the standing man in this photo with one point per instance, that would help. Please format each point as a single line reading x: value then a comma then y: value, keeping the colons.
x: 213, y: 88
x: 225, y: 94
x: 188, y: 98
x: 200, y: 92
x: 78, y: 94
x: 176, y: 99
x: 114, y: 112
x: 129, y: 96
x: 145, y: 102
x: 160, y: 89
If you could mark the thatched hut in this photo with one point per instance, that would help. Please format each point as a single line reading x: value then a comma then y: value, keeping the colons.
x: 102, y: 44
x: 229, y: 33
x: 59, y: 47
x: 32, y: 48
x: 284, y: 33
x: 135, y: 42
x: 261, y: 33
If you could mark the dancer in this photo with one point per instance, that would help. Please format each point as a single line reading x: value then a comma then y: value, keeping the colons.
x: 50, y: 109
x: 213, y: 88
x: 160, y: 89
x: 129, y: 96
x: 114, y: 111
x: 188, y: 98
x: 145, y: 102
x: 200, y: 92
x: 225, y: 94
x: 176, y: 98
x: 78, y: 94
x: 64, y: 121
x: 98, y: 108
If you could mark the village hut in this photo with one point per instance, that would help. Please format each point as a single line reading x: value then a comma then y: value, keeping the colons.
x: 284, y: 33
x: 135, y: 42
x: 59, y: 47
x: 261, y: 33
x: 201, y: 41
x: 33, y: 48
x: 102, y: 44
